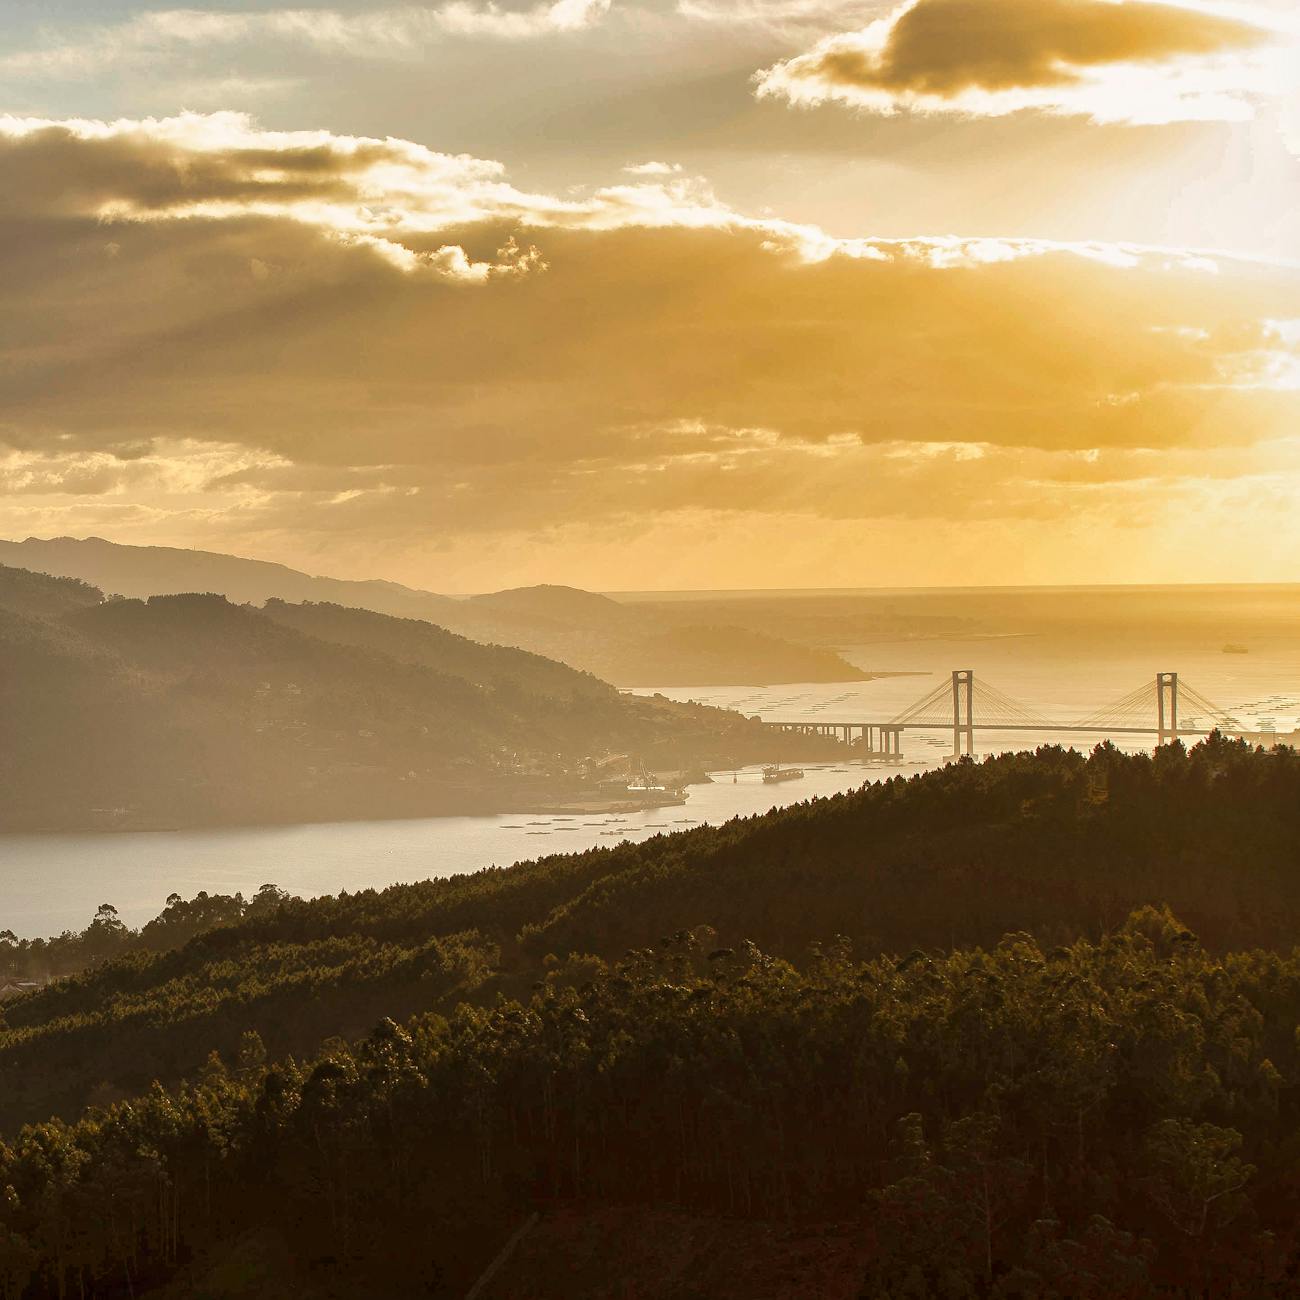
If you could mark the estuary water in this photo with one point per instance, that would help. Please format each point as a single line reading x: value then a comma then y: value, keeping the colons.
x: 49, y: 883
x: 1053, y: 677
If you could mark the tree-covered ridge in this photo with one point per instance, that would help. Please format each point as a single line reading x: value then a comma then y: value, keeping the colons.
x: 1099, y: 1119
x: 107, y: 937
x: 189, y: 710
x: 39, y: 595
x: 1052, y: 843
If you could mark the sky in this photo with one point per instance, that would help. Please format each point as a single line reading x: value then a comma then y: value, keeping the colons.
x: 656, y: 294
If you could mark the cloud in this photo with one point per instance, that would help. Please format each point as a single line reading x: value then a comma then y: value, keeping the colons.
x: 384, y: 33
x: 391, y: 196
x: 491, y: 20
x: 653, y: 169
x: 777, y: 15
x: 216, y: 331
x: 1113, y: 60
x: 894, y: 512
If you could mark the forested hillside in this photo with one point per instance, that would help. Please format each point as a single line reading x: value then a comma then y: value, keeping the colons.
x: 186, y: 709
x: 1022, y: 1028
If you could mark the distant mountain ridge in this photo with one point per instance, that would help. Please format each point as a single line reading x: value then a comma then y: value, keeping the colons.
x: 629, y: 645
x: 143, y: 571
x: 553, y: 602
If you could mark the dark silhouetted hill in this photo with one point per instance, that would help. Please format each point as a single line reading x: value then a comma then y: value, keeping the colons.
x: 190, y: 710
x: 39, y: 595
x: 411, y: 640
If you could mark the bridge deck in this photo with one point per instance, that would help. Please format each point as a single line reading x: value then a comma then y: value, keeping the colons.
x: 967, y: 704
x: 1099, y: 729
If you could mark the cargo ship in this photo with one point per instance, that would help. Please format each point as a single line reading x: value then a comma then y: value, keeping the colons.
x: 778, y: 773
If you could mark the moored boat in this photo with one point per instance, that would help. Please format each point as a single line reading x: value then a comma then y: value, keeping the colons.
x: 778, y: 773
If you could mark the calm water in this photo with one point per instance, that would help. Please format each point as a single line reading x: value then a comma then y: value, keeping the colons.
x: 52, y: 882
x: 49, y: 883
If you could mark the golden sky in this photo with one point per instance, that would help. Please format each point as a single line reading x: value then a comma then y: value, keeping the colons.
x: 680, y: 293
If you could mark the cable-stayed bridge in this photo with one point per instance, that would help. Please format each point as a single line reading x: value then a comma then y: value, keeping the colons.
x: 1166, y: 708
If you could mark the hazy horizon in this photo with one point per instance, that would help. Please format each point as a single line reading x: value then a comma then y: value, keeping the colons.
x: 717, y: 593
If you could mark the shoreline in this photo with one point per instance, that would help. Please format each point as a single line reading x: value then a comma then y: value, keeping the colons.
x: 557, y: 806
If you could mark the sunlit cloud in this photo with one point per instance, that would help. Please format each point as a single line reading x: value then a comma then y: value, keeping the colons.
x: 217, y: 332
x: 779, y: 15
x: 1130, y: 61
x: 840, y: 501
x: 390, y: 195
x: 653, y: 169
x: 385, y: 33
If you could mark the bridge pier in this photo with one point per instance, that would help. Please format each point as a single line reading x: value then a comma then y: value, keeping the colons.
x: 963, y: 712
x: 1166, y: 708
x: 875, y: 740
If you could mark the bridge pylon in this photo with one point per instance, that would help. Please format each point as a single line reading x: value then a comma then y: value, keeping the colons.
x: 1166, y: 708
x: 963, y: 712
